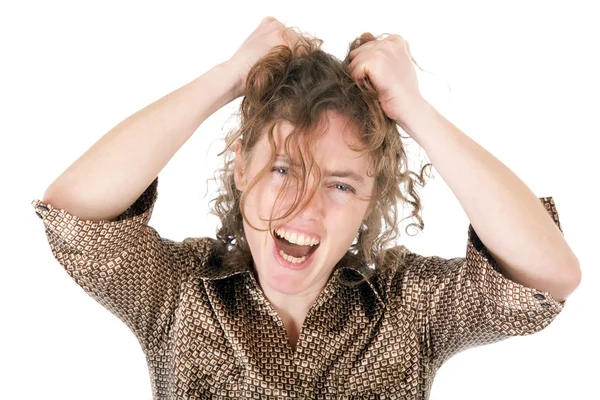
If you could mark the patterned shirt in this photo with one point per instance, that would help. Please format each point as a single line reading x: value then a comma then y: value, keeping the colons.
x: 209, y: 332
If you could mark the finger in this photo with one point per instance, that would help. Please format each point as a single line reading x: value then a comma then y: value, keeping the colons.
x: 367, y: 37
x: 361, y: 48
x: 268, y: 19
x: 352, y: 67
x: 298, y: 43
x: 355, y: 52
x: 358, y: 69
x: 289, y: 37
x: 360, y: 72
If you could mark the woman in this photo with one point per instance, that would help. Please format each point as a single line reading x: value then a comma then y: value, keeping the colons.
x: 302, y: 294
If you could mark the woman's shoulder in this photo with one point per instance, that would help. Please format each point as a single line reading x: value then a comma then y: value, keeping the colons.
x: 202, y: 247
x: 404, y: 270
x: 206, y: 252
x: 400, y: 261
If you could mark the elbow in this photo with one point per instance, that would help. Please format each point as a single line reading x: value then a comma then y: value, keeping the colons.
x: 575, y: 275
x: 570, y: 282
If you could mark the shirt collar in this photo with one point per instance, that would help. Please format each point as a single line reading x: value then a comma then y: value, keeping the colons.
x: 352, y: 271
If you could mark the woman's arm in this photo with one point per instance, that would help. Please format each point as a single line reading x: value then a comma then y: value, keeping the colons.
x: 116, y: 170
x: 508, y: 218
x: 109, y: 176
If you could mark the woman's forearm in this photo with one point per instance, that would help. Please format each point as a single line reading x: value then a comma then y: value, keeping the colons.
x: 506, y: 215
x: 115, y: 171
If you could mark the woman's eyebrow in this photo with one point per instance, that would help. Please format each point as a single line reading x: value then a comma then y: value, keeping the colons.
x: 329, y: 173
x: 345, y: 174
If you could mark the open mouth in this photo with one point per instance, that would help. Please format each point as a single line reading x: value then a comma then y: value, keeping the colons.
x: 293, y: 252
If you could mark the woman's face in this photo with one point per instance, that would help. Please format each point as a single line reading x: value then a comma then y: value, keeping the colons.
x: 332, y: 218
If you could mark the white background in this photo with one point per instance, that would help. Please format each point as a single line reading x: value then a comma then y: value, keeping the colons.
x: 523, y: 80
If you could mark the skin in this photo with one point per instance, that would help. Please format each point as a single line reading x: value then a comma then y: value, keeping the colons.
x: 94, y: 187
x: 335, y: 215
x: 504, y: 212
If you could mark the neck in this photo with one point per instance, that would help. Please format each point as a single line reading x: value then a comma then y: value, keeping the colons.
x: 292, y: 309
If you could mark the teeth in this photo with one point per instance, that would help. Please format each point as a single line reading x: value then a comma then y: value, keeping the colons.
x: 297, y: 238
x: 292, y: 259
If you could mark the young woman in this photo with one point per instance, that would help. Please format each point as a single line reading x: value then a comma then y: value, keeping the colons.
x: 302, y: 293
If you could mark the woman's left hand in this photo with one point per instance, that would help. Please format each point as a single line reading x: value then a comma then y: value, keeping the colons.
x: 388, y: 64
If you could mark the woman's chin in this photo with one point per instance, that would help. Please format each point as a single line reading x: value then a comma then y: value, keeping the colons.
x: 286, y: 284
x: 286, y: 279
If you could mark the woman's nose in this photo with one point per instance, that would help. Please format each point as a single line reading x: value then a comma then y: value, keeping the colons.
x: 312, y: 205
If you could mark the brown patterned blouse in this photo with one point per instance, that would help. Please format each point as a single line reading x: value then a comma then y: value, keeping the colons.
x: 210, y: 333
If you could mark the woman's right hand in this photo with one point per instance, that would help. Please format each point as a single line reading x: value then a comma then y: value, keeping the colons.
x: 269, y: 33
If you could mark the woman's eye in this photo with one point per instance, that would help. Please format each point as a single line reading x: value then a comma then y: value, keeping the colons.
x: 343, y: 188
x: 281, y: 170
x: 338, y: 186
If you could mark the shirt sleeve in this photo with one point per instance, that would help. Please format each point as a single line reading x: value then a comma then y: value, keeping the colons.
x: 123, y: 264
x: 471, y: 303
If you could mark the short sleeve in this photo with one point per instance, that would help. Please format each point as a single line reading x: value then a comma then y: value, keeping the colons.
x: 471, y: 303
x: 123, y: 264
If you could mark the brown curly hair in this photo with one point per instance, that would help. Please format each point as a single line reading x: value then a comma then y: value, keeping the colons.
x: 298, y: 85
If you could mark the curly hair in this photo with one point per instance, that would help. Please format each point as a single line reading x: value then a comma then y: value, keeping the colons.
x: 299, y: 85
